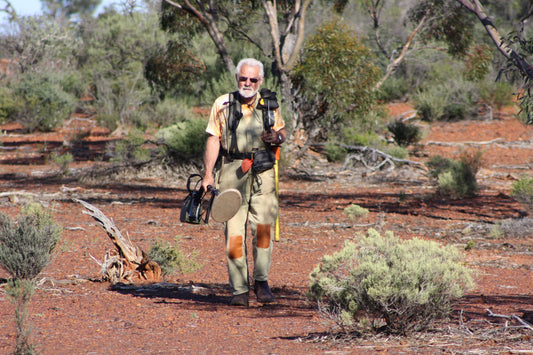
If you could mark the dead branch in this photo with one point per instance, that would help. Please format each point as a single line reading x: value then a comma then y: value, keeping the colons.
x: 128, y: 262
x: 512, y: 316
x: 373, y: 159
x: 454, y: 144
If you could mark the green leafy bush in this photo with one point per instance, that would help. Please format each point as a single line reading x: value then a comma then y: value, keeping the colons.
x: 456, y: 179
x: 449, y: 100
x: 396, y: 152
x: 335, y: 152
x: 355, y: 211
x: 62, y: 161
x: 171, y: 259
x: 497, y: 94
x: 27, y: 245
x: 403, y: 133
x: 184, y: 140
x: 130, y: 150
x: 9, y: 104
x: 376, y: 280
x: 522, y: 191
x: 42, y: 102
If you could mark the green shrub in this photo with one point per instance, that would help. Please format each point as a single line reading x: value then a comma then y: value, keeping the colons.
x: 335, y: 152
x: 512, y: 228
x: 522, y: 191
x: 171, y: 259
x: 497, y: 94
x: 377, y: 279
x: 456, y: 179
x: 9, y: 104
x: 352, y: 136
x: 45, y: 103
x: 62, y: 161
x: 323, y: 84
x: 394, y: 88
x: 184, y: 140
x: 430, y: 106
x: 403, y: 133
x: 27, y: 245
x: 396, y: 152
x: 450, y: 100
x: 130, y: 150
x: 355, y: 211
x: 170, y: 111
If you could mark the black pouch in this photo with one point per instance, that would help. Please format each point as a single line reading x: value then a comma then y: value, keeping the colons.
x: 263, y: 161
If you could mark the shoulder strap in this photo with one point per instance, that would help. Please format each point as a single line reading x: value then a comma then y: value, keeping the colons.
x: 234, y: 117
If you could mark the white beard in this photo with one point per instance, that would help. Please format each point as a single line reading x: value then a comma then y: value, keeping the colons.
x: 247, y: 92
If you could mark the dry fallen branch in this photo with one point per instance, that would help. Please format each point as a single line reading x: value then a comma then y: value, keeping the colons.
x: 512, y: 316
x: 128, y: 262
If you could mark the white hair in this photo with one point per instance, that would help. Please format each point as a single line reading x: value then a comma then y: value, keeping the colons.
x: 252, y: 63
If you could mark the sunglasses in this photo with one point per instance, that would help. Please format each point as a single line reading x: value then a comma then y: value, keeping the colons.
x: 253, y: 80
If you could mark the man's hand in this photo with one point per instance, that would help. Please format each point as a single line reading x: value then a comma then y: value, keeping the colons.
x: 271, y: 137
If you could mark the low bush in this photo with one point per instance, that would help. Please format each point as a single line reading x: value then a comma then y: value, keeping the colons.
x: 62, y: 161
x: 130, y: 150
x: 513, y: 228
x: 184, y: 140
x: 171, y: 259
x: 404, y: 134
x: 454, y: 100
x: 456, y: 179
x: 335, y: 152
x: 41, y: 101
x: 355, y: 211
x: 26, y: 247
x: 8, y: 104
x: 522, y: 191
x: 382, y: 282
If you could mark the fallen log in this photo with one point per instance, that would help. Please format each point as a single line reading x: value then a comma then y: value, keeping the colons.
x: 128, y: 262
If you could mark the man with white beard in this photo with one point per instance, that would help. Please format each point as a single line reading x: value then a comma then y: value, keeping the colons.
x: 245, y: 131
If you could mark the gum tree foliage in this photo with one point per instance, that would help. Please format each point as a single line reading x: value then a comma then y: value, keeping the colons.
x: 115, y: 51
x: 334, y: 92
x: 276, y: 29
x: 452, y: 22
x: 67, y: 8
x: 44, y: 83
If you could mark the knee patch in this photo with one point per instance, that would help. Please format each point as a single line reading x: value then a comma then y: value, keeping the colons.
x: 235, y: 247
x: 263, y: 236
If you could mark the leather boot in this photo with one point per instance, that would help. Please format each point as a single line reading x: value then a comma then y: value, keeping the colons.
x: 239, y: 300
x: 263, y: 293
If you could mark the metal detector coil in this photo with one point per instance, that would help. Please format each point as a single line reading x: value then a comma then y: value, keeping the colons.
x: 196, y: 208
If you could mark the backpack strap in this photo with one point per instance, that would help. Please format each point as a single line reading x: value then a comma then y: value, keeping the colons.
x: 234, y: 117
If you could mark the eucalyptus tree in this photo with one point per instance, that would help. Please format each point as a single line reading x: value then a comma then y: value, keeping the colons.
x: 276, y: 28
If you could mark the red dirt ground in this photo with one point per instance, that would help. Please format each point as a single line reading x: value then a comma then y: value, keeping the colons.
x: 72, y: 313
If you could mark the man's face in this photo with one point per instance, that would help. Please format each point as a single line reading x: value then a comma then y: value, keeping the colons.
x: 249, y: 81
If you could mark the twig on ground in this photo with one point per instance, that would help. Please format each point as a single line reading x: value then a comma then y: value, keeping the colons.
x: 512, y: 316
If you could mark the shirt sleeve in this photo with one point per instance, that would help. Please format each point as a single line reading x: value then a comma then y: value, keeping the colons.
x: 217, y: 117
